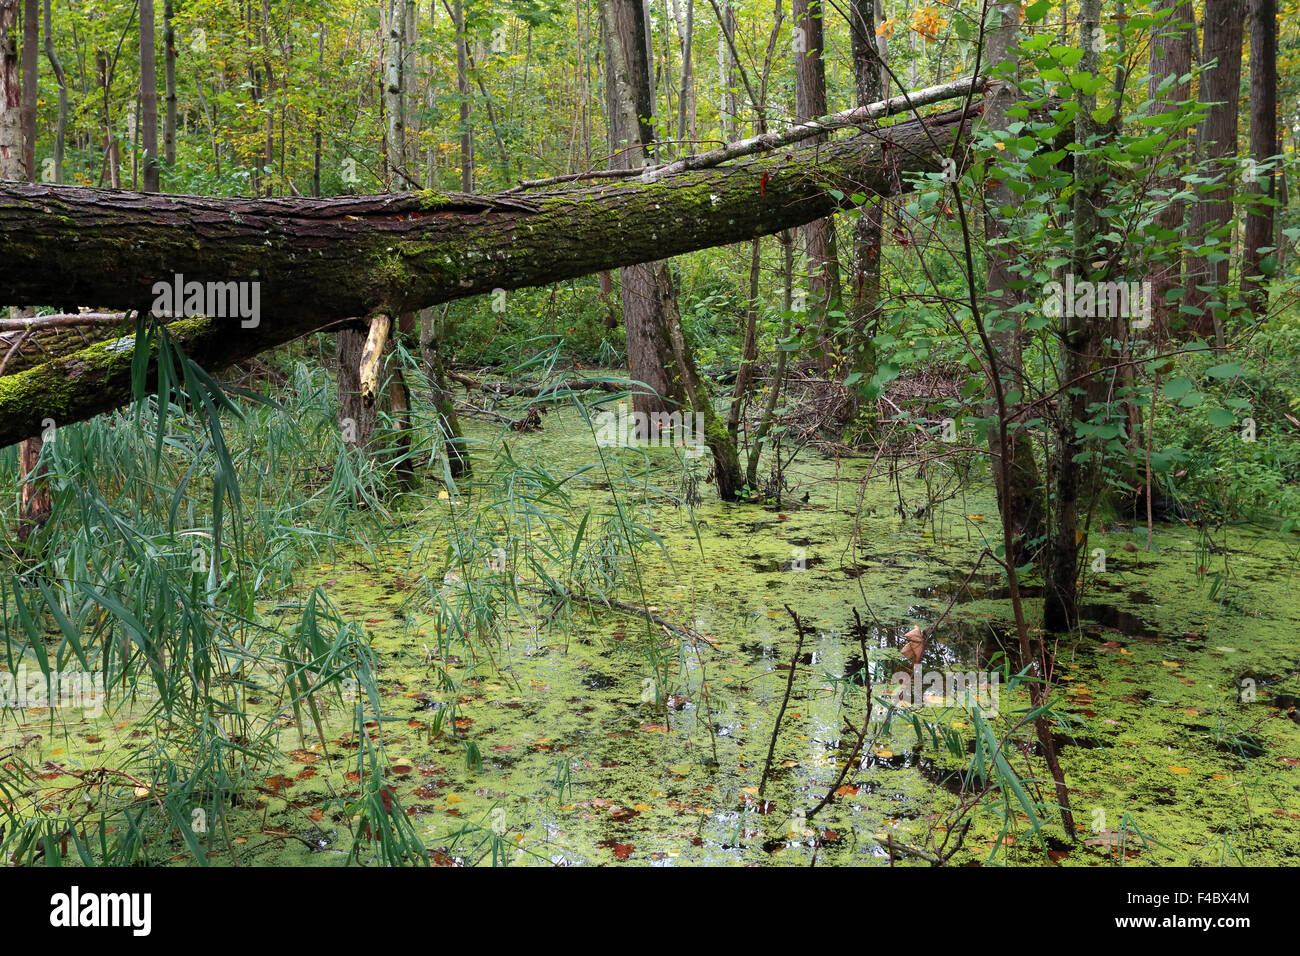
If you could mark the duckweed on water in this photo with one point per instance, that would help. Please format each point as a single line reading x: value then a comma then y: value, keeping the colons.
x: 568, y: 733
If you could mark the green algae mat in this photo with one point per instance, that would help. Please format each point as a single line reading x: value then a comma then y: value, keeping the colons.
x: 582, y: 663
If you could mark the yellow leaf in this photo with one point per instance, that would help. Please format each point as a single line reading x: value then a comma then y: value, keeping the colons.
x: 1179, y: 770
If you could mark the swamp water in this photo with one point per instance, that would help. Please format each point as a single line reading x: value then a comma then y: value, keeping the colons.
x: 595, y: 736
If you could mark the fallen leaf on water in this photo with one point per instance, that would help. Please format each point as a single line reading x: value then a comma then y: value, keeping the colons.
x: 621, y: 850
x: 1180, y: 770
x: 915, y: 645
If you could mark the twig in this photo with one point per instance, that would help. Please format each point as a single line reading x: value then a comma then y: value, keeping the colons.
x: 789, y: 685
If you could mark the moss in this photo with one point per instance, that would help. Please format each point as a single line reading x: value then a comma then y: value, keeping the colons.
x: 431, y: 198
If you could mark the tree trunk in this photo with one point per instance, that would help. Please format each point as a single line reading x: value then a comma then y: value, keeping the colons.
x: 1172, y: 48
x: 1263, y: 146
x: 394, y: 94
x: 56, y: 66
x: 1080, y: 347
x: 1020, y: 499
x: 169, y: 86
x: 31, y: 55
x: 686, y: 94
x: 728, y: 109
x: 319, y: 261
x: 11, y: 126
x: 466, y: 106
x: 458, y: 461
x: 17, y: 161
x: 869, y: 227
x: 1216, y: 140
x: 819, y: 237
x: 148, y: 97
x: 650, y: 354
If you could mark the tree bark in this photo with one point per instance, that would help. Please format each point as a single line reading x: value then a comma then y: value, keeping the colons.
x: 11, y: 127
x: 466, y: 106
x: 149, y: 97
x: 1172, y: 47
x: 458, y: 461
x: 824, y: 290
x: 31, y: 56
x: 1263, y: 146
x: 869, y: 227
x: 628, y: 106
x: 319, y: 261
x: 56, y: 66
x: 169, y: 85
x: 1216, y: 141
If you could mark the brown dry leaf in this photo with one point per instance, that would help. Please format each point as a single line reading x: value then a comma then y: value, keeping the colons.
x: 915, y: 645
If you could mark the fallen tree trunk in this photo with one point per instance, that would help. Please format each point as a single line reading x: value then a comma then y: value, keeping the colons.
x: 317, y: 261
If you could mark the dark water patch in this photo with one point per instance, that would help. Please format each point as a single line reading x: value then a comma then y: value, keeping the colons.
x: 1112, y: 618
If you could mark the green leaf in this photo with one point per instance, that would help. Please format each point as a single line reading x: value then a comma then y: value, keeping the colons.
x: 1226, y: 370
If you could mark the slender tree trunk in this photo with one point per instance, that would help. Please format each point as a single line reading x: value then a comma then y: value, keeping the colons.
x: 31, y: 55
x: 394, y: 95
x: 1216, y: 141
x: 768, y: 416
x: 111, y: 159
x: 466, y: 106
x: 17, y: 161
x: 169, y: 85
x: 727, y: 106
x: 686, y: 93
x: 431, y: 337
x: 56, y: 67
x: 148, y: 97
x: 1263, y: 146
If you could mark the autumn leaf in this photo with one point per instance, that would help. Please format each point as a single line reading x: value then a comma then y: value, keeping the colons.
x: 915, y: 645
